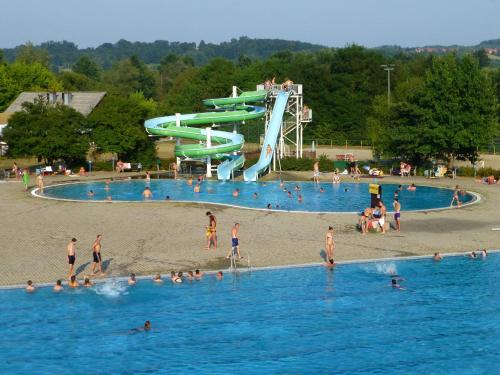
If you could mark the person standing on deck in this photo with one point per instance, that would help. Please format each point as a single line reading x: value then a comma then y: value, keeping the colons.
x: 329, y: 244
x: 211, y: 231
x: 316, y: 172
x: 235, y: 243
x: 71, y: 249
x: 96, y: 254
x: 397, y: 213
x: 26, y: 178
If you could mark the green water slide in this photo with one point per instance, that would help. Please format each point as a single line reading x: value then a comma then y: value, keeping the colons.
x: 222, y: 144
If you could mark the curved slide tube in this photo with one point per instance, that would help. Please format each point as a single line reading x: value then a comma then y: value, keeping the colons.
x: 223, y: 143
x: 252, y: 173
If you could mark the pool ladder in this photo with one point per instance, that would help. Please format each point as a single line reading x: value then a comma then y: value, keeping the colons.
x: 233, y: 261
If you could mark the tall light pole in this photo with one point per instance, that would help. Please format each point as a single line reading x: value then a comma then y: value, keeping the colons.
x: 388, y: 68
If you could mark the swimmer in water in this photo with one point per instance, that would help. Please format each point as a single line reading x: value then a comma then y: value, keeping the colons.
x: 289, y: 193
x: 190, y: 181
x: 282, y: 184
x: 236, y: 193
x: 219, y: 275
x: 437, y: 257
x: 472, y: 255
x: 484, y: 254
x: 58, y: 287
x: 321, y: 190
x: 269, y: 206
x: 395, y: 285
x: 157, y: 279
x: 196, y: 188
x: 190, y: 276
x: 147, y: 193
x: 255, y: 195
x: 30, y: 287
x: 299, y: 198
x: 198, y: 274
x: 132, y: 280
x: 90, y: 194
x: 297, y: 188
x: 73, y: 282
x: 145, y: 327
x: 346, y: 190
x: 412, y: 187
x: 87, y: 283
x: 167, y: 198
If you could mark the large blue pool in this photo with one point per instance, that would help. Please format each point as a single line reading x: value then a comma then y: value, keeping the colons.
x: 287, y: 321
x: 344, y: 197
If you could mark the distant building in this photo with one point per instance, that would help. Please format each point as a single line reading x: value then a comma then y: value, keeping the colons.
x: 492, y: 51
x: 81, y: 101
x: 4, y: 119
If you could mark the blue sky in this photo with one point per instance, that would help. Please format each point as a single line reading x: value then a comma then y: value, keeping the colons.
x: 329, y: 22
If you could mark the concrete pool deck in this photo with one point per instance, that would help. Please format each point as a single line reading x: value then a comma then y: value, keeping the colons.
x: 165, y: 236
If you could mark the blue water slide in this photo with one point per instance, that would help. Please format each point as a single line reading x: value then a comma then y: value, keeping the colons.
x: 233, y: 163
x: 252, y: 173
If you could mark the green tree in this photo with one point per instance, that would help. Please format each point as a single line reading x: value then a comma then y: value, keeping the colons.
x: 72, y: 81
x: 47, y: 132
x: 18, y: 77
x: 451, y: 116
x: 129, y: 76
x: 86, y: 66
x: 118, y: 127
x: 29, y: 54
x: 482, y: 57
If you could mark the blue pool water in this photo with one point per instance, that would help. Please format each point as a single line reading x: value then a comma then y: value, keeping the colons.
x: 335, y: 198
x: 302, y: 320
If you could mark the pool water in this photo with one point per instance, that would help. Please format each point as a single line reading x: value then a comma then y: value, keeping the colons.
x: 344, y: 197
x: 297, y: 320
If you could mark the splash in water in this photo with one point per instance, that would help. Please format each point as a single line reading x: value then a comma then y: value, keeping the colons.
x: 386, y: 268
x: 111, y: 288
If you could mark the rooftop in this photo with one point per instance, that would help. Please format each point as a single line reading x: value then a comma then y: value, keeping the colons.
x: 82, y: 101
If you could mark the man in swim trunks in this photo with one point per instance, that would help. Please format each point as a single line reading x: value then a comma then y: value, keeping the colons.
x: 329, y: 244
x: 71, y: 249
x: 397, y: 213
x: 96, y: 255
x: 235, y: 244
x: 211, y: 231
x: 381, y: 220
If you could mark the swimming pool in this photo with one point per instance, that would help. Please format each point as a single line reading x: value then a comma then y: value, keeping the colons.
x: 295, y: 320
x: 344, y: 197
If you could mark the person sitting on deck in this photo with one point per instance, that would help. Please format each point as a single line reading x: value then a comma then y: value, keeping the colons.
x: 120, y: 166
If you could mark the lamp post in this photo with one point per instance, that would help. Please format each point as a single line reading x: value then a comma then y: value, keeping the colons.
x: 388, y: 68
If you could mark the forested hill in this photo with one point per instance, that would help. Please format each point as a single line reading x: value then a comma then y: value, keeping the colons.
x: 65, y: 54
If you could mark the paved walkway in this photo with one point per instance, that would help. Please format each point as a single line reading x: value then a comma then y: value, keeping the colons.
x: 161, y: 236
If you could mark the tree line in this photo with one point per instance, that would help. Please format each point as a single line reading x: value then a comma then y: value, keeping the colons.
x: 442, y: 107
